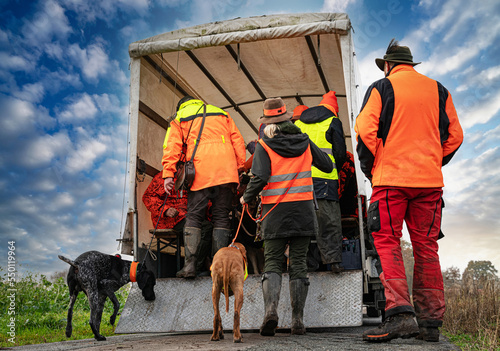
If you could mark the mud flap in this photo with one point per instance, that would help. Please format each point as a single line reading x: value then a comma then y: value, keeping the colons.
x: 334, y: 300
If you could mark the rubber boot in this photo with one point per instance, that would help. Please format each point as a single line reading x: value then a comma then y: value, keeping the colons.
x: 204, y: 251
x: 192, y: 238
x: 221, y: 237
x: 298, y: 295
x: 401, y: 325
x: 271, y: 288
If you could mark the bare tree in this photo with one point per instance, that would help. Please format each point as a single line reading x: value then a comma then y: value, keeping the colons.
x: 451, y: 276
x: 409, y: 261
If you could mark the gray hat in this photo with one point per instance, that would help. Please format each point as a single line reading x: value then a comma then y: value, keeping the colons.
x: 274, y: 111
x: 396, y: 53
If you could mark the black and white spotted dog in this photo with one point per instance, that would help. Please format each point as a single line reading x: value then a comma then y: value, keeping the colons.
x: 99, y: 275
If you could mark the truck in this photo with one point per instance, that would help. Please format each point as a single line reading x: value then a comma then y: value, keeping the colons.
x: 236, y: 65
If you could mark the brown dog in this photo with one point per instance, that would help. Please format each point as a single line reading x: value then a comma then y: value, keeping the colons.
x: 228, y: 274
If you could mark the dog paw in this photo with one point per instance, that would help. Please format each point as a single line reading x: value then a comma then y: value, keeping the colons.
x: 221, y: 335
x: 100, y: 338
x: 214, y: 338
x: 69, y: 332
x: 237, y: 340
x: 112, y: 320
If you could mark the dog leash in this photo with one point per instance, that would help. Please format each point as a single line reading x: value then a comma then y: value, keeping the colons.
x: 261, y: 218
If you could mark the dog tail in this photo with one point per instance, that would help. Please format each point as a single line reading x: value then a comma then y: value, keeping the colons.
x: 226, y: 284
x: 68, y: 261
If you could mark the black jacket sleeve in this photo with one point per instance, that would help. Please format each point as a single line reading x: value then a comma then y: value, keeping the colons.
x: 261, y: 169
x: 335, y: 136
x: 320, y: 159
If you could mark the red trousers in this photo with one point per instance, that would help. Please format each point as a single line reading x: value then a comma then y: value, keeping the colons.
x: 420, y: 208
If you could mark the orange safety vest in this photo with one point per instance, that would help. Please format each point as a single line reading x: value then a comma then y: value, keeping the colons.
x: 290, y: 178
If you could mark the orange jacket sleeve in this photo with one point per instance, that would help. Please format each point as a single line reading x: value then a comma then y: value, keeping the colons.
x: 456, y: 134
x: 366, y: 128
x: 172, y: 153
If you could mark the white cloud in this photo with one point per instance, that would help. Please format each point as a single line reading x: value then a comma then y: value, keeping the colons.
x: 15, y: 63
x: 17, y: 115
x: 92, y: 60
x: 61, y: 202
x: 108, y: 103
x: 474, y: 110
x: 106, y: 10
x: 31, y: 92
x: 82, y: 108
x: 336, y: 5
x: 458, y: 34
x: 170, y: 3
x: 84, y: 157
x: 479, y: 78
x: 49, y: 22
x: 41, y: 151
x: 369, y: 72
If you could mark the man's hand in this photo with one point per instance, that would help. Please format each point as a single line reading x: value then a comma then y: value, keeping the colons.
x: 171, y: 212
x: 169, y: 185
x: 242, y: 201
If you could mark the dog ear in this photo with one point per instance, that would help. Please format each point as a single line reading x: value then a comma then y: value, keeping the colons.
x: 141, y: 279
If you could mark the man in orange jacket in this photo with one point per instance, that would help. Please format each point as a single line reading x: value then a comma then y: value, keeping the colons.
x: 406, y: 131
x: 219, y: 157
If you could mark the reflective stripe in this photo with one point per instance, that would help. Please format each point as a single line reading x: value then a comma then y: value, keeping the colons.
x: 293, y: 190
x: 288, y: 176
x: 327, y: 151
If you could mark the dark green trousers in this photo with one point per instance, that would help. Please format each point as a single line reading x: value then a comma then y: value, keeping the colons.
x: 274, y: 254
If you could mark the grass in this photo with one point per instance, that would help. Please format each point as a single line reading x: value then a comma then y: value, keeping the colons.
x: 472, y: 318
x: 41, y: 309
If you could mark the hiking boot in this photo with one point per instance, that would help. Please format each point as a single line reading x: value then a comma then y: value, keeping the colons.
x: 401, y: 325
x: 271, y: 288
x: 428, y: 334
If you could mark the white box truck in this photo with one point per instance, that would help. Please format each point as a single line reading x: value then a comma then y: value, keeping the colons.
x: 236, y: 65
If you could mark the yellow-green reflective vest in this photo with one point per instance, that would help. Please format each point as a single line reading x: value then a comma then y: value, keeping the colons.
x: 317, y: 132
x: 192, y: 109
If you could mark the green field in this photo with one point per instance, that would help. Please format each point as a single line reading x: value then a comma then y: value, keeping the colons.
x: 40, y: 312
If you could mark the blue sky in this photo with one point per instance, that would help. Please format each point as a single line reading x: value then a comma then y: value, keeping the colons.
x: 64, y: 83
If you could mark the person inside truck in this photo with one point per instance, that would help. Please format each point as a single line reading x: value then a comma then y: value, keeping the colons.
x: 282, y: 160
x: 406, y: 131
x: 173, y: 216
x: 220, y: 156
x: 324, y: 128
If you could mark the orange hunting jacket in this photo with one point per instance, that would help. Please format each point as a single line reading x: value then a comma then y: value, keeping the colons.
x: 407, y: 130
x: 290, y: 178
x: 221, y: 151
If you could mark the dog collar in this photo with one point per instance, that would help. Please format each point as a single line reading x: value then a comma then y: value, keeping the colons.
x: 133, y: 271
x: 244, y: 260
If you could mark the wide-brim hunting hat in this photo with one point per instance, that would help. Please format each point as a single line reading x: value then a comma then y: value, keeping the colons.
x: 396, y: 53
x: 274, y: 111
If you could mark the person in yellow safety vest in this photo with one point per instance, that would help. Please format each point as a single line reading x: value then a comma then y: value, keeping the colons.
x: 282, y: 171
x: 324, y: 128
x: 219, y: 158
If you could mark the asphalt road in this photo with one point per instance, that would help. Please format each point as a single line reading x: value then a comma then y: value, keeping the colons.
x: 327, y: 339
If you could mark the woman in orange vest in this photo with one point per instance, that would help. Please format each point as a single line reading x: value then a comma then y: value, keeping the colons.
x: 282, y: 171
